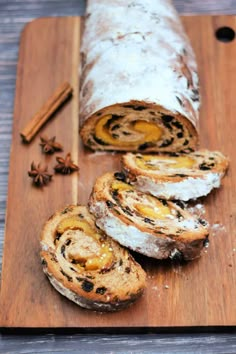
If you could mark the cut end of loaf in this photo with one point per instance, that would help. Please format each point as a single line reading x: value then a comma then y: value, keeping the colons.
x: 139, y: 126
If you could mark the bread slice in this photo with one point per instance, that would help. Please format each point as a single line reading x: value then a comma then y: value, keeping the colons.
x: 154, y: 227
x: 176, y: 176
x: 87, y: 266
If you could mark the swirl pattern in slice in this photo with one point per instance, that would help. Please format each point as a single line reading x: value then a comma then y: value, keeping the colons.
x: 85, y: 265
x: 143, y: 223
x: 176, y: 176
x: 138, y: 127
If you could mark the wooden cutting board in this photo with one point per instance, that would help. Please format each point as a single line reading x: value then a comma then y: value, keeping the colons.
x: 198, y: 293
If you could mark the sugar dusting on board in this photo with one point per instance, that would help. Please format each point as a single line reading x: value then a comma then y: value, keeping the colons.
x: 96, y: 154
x: 217, y: 229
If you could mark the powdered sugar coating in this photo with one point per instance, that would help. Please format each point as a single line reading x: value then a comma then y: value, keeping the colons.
x: 188, y: 188
x: 127, y: 57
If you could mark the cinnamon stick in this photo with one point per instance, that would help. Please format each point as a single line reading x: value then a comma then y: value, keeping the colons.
x: 51, y: 105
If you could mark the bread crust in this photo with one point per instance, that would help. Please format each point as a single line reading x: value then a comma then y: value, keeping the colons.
x: 176, y: 183
x: 158, y: 79
x: 106, y: 289
x: 154, y: 238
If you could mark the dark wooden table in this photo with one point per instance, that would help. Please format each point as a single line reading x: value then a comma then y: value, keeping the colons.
x: 14, y: 14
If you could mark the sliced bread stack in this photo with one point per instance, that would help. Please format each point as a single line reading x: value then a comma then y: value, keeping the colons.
x: 82, y: 248
x: 133, y: 206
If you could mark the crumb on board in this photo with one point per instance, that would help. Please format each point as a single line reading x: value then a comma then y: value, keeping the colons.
x: 155, y: 288
x: 197, y: 210
x: 217, y: 229
x: 150, y: 276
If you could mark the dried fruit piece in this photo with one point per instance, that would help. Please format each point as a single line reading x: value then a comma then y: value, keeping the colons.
x: 147, y: 131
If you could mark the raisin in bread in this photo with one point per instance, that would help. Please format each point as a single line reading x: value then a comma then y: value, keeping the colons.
x: 85, y: 265
x: 176, y: 176
x: 154, y: 227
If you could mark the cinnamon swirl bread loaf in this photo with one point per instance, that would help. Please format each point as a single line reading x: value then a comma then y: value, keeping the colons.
x: 85, y: 265
x: 139, y: 83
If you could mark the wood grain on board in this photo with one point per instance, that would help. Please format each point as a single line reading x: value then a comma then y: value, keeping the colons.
x: 199, y: 293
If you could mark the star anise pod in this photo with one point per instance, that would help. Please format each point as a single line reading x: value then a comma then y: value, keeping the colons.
x: 49, y: 146
x: 66, y: 165
x: 39, y: 175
